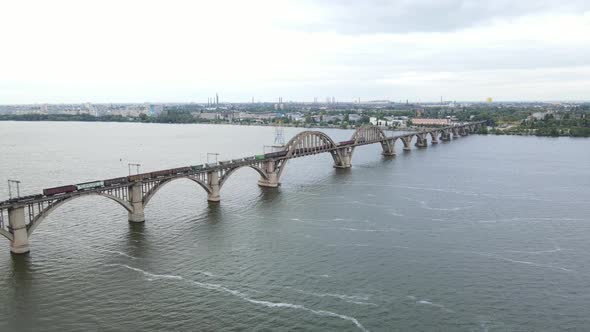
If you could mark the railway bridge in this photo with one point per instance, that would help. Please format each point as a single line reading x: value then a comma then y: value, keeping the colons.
x: 19, y: 217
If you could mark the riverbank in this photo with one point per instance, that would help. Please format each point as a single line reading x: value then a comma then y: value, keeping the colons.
x: 517, y: 130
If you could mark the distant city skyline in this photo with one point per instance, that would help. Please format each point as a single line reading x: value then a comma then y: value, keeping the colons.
x: 110, y: 51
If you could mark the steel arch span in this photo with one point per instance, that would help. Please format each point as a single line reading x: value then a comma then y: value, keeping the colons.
x: 308, y: 143
x: 153, y: 190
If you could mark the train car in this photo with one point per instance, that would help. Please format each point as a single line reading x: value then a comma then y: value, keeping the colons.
x: 59, y: 190
x: 197, y: 167
x: 275, y: 154
x: 180, y: 170
x: 115, y: 181
x: 156, y: 174
x: 346, y: 142
x: 250, y: 158
x: 211, y: 165
x: 236, y: 160
x: 138, y: 177
x: 89, y: 185
x: 259, y: 157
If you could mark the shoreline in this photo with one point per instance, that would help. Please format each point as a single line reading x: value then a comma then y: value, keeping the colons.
x: 284, y: 125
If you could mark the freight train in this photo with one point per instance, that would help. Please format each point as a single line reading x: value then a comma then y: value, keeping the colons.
x: 119, y: 181
x: 152, y: 175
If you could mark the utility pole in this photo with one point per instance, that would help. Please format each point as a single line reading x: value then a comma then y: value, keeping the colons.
x: 212, y: 154
x: 136, y: 167
x: 10, y: 182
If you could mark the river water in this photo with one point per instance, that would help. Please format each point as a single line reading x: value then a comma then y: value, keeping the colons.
x: 485, y: 233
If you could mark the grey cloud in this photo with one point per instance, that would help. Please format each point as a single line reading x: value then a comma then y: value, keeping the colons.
x: 404, y: 16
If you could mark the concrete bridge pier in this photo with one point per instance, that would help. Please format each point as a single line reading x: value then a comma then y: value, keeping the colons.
x: 272, y: 179
x: 344, y: 158
x: 445, y: 137
x: 136, y: 201
x: 407, y: 143
x: 213, y: 182
x: 20, y: 241
x: 388, y: 148
x: 435, y: 138
x: 421, y: 143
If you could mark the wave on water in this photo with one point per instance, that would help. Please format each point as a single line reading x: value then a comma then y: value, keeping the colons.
x: 527, y: 219
x: 117, y: 253
x: 370, y: 230
x: 361, y: 300
x: 425, y: 205
x: 208, y: 274
x: 317, y: 312
x: 523, y: 262
x: 243, y: 296
x: 429, y: 303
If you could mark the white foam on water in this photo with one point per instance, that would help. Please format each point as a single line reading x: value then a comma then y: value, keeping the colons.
x: 535, y: 252
x: 369, y: 230
x: 148, y: 274
x: 424, y: 205
x: 523, y: 262
x: 339, y: 296
x: 208, y: 274
x: 245, y: 297
x: 317, y: 312
x: 117, y: 253
x: 432, y: 304
x: 527, y: 219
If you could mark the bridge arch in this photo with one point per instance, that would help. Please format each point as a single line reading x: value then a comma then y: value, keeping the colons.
x: 150, y: 194
x: 369, y: 133
x: 309, y: 142
x: 41, y: 216
x: 227, y: 174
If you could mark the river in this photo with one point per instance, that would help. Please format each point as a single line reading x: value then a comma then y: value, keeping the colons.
x: 484, y: 233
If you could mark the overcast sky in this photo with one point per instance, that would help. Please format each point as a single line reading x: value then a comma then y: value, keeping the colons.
x: 184, y: 51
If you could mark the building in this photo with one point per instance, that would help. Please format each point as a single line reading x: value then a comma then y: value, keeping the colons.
x: 354, y: 117
x: 431, y: 122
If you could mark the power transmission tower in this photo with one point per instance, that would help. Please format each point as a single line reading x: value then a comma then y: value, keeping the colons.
x: 279, y: 138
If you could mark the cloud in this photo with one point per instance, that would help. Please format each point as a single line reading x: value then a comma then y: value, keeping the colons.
x: 180, y: 50
x: 404, y: 16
